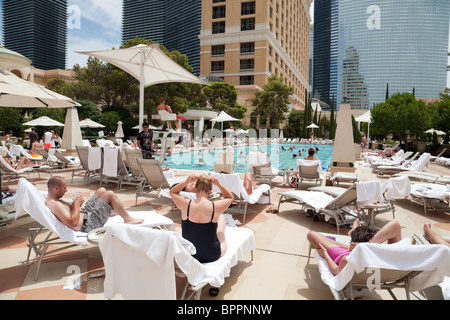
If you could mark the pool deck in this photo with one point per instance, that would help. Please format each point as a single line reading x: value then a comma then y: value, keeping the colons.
x: 279, y: 270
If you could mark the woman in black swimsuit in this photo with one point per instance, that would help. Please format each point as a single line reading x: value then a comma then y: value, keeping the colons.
x: 202, y: 223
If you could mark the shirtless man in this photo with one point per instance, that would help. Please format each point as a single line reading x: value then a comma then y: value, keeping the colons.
x: 93, y: 215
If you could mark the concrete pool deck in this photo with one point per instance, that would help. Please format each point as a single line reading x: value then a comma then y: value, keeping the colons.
x: 279, y: 270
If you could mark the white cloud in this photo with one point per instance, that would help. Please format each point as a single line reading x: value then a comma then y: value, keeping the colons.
x: 107, y: 13
x: 82, y: 43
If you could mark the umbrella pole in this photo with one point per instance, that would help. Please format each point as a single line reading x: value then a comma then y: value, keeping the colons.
x: 141, y: 92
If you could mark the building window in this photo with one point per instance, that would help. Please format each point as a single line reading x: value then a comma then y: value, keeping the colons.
x: 219, y: 12
x: 246, y: 80
x: 218, y: 27
x: 248, y: 8
x: 217, y: 66
x: 218, y: 50
x: 247, y: 24
x: 218, y: 1
x: 247, y: 64
x: 247, y: 48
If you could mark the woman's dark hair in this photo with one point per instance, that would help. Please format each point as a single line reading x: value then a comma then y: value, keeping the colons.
x: 362, y: 234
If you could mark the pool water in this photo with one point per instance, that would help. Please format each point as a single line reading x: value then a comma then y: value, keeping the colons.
x: 281, y: 159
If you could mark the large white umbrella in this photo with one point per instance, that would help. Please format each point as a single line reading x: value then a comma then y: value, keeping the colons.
x: 119, y: 132
x: 366, y: 117
x: 312, y: 126
x: 44, y: 121
x: 222, y: 117
x: 149, y: 65
x: 16, y: 92
x: 88, y: 123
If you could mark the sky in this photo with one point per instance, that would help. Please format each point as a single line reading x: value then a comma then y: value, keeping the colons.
x: 97, y: 24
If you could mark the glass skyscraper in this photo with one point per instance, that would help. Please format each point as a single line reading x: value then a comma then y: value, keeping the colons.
x: 175, y: 24
x: 400, y: 43
x: 37, y: 29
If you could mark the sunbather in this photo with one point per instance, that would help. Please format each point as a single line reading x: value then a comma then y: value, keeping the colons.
x: 202, y: 222
x: 433, y: 237
x: 93, y: 215
x: 311, y: 152
x: 335, y: 253
x: 20, y: 164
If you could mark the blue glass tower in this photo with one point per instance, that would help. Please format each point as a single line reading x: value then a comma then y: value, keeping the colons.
x: 38, y: 30
x: 175, y: 24
x: 400, y: 43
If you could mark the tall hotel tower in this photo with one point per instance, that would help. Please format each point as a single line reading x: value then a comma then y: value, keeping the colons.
x: 244, y: 42
x: 361, y: 46
x: 173, y: 23
x: 37, y: 29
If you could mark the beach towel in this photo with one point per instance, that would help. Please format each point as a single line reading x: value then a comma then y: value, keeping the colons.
x: 369, y: 192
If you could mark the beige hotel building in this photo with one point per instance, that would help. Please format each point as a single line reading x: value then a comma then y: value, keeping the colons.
x: 244, y: 42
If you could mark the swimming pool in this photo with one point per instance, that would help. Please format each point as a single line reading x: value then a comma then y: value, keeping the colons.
x: 279, y: 158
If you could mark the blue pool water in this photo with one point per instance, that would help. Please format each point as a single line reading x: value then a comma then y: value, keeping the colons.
x: 279, y: 158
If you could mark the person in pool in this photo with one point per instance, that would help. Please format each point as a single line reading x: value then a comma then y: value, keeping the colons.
x: 336, y: 253
x: 202, y: 223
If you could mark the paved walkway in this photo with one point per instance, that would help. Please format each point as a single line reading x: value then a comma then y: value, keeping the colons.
x: 279, y: 269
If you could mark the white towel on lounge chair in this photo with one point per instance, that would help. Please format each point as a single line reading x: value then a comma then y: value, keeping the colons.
x: 430, y: 190
x: 303, y: 162
x: 317, y: 200
x: 148, y: 268
x: 110, y: 162
x: 434, y: 260
x: 369, y: 192
x: 94, y: 158
x: 399, y: 187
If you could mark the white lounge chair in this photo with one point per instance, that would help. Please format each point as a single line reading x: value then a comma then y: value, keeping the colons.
x: 430, y: 196
x: 29, y: 200
x: 90, y: 162
x: 388, y: 266
x: 308, y: 170
x: 234, y: 184
x: 416, y: 165
x: 141, y: 263
x: 324, y: 205
x: 259, y: 166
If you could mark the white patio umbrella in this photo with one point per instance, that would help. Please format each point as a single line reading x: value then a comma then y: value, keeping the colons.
x: 88, y: 123
x: 430, y: 130
x: 119, y: 132
x: 440, y: 133
x: 366, y: 117
x: 43, y: 121
x: 222, y: 117
x: 16, y: 92
x: 312, y: 126
x: 149, y: 65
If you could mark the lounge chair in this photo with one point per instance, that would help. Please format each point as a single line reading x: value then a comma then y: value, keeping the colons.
x: 90, y: 162
x: 417, y: 165
x: 309, y: 170
x: 339, y: 177
x: 324, y: 205
x: 19, y: 151
x: 387, y: 266
x: 62, y: 160
x: 142, y: 263
x: 155, y: 179
x: 430, y: 195
x: 29, y: 200
x: 234, y: 184
x: 225, y: 162
x: 113, y: 169
x: 259, y: 166
x: 433, y: 158
x: 9, y: 172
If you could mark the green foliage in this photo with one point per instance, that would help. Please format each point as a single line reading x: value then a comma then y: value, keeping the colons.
x: 401, y: 113
x: 273, y: 100
x: 10, y: 118
x: 294, y: 126
x: 110, y: 120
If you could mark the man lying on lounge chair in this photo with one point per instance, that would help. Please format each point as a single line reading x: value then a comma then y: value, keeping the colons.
x: 93, y: 215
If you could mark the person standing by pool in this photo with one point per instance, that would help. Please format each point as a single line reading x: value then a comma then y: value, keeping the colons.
x: 145, y: 141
